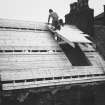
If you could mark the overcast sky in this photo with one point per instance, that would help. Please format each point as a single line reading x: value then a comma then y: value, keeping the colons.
x: 37, y: 10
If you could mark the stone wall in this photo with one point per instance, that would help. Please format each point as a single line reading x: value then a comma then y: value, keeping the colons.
x: 99, y: 36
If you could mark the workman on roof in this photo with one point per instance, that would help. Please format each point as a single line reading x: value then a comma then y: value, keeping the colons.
x: 55, y: 19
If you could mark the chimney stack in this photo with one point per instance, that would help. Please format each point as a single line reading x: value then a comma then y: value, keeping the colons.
x: 83, y: 3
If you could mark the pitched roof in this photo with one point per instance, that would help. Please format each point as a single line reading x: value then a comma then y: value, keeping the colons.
x: 100, y: 16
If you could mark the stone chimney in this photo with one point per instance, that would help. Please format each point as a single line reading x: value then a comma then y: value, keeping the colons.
x: 83, y: 3
x: 81, y: 16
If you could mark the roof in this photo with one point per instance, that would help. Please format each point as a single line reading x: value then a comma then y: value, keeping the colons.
x: 100, y: 16
x: 30, y: 59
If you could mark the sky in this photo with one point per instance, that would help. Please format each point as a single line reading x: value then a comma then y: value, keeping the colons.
x: 37, y: 10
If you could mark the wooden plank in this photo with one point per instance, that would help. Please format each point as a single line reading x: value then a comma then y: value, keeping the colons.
x: 47, y: 72
x: 29, y: 48
x: 13, y: 86
x: 17, y: 67
x: 19, y: 63
x: 86, y: 47
x: 27, y: 40
x: 22, y: 24
x: 17, y: 34
x: 70, y: 34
